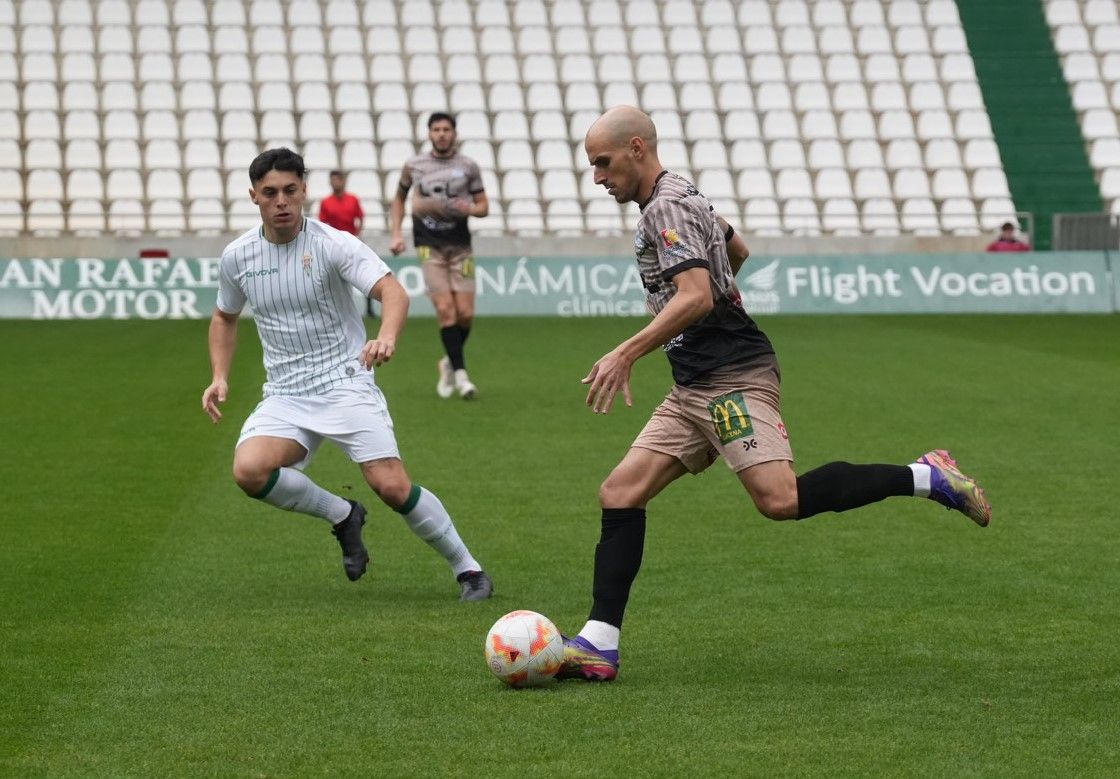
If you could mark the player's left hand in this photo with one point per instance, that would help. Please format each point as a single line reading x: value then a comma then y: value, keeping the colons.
x: 376, y: 352
x: 609, y: 376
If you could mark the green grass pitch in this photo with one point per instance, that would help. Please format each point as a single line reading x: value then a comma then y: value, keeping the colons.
x: 155, y: 622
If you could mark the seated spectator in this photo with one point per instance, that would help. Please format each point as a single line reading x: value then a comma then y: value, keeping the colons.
x: 1008, y: 241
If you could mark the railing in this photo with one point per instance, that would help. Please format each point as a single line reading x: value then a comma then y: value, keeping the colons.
x: 1086, y: 232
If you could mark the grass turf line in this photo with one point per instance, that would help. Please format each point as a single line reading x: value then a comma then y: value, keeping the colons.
x: 157, y: 622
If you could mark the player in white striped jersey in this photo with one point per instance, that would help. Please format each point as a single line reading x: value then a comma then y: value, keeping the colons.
x: 297, y: 275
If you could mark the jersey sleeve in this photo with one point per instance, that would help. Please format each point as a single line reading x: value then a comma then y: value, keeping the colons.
x: 359, y: 265
x: 474, y: 179
x: 231, y: 298
x: 680, y: 231
x: 405, y: 182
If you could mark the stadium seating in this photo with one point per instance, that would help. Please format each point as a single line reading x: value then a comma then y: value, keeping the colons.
x: 1087, y: 38
x: 834, y: 116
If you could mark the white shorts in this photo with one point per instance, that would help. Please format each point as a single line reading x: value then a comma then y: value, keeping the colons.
x: 353, y: 417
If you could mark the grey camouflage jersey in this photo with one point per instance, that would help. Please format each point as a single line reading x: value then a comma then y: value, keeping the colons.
x: 677, y: 231
x: 440, y: 179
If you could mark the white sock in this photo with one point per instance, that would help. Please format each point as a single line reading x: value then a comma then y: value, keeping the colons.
x: 921, y: 479
x: 428, y: 519
x: 291, y: 490
x: 602, y: 635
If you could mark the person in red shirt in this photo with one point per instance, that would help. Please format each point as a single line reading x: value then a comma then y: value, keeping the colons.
x: 1007, y: 241
x: 341, y: 210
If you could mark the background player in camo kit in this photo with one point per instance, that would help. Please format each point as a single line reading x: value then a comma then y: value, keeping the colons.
x: 448, y: 190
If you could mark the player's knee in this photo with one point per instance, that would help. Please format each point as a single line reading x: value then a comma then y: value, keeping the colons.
x: 776, y: 504
x: 392, y: 491
x: 615, y: 493
x: 445, y: 313
x: 249, y: 478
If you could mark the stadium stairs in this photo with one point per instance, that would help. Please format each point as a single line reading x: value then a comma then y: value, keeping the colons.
x: 1030, y: 109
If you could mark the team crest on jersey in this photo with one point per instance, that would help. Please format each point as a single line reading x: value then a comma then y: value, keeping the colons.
x: 307, y: 260
x: 670, y: 237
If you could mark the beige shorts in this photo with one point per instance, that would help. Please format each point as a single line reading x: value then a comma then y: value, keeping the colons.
x: 447, y: 268
x: 734, y: 413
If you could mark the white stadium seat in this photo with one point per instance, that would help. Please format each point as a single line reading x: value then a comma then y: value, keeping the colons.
x: 981, y: 153
x: 989, y: 183
x: 949, y: 183
x: 825, y: 153
x: 801, y: 217
x: 162, y: 153
x: 762, y: 216
x: 756, y: 183
x: 82, y: 153
x: 880, y: 216
x: 840, y: 216
x: 863, y: 154
x: 942, y: 153
x: 871, y: 183
x: 958, y: 216
x: 919, y: 215
x: 121, y: 154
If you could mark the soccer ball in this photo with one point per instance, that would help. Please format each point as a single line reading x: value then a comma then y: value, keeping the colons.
x: 524, y: 649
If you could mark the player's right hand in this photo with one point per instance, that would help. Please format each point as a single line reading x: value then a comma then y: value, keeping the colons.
x: 608, y: 377
x: 396, y: 246
x: 212, y: 396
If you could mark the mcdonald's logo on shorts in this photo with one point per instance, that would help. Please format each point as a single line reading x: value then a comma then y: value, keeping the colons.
x: 731, y: 418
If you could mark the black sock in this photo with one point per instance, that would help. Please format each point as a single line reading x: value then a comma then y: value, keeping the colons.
x: 453, y: 344
x: 465, y: 330
x: 618, y: 556
x: 841, y: 486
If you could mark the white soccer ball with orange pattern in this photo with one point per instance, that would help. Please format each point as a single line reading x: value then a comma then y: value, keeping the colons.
x: 524, y: 649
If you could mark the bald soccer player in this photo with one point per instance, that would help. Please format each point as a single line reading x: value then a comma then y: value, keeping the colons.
x: 724, y: 399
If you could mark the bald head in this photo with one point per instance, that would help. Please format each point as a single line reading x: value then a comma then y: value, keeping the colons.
x: 618, y: 125
x: 622, y: 148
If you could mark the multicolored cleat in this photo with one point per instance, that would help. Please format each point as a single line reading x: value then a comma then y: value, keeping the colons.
x: 583, y: 661
x: 953, y: 490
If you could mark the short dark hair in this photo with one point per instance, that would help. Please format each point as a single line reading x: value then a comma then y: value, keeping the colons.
x: 1007, y: 226
x: 276, y: 159
x: 341, y: 173
x: 440, y: 116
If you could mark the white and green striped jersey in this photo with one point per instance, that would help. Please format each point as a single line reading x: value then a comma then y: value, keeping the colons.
x: 301, y: 295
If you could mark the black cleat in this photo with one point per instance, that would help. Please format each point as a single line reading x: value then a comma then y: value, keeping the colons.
x: 476, y: 585
x: 349, y: 535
